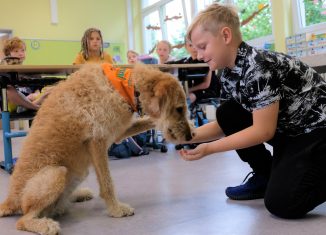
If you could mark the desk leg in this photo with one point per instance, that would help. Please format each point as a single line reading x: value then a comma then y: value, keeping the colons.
x: 8, y: 164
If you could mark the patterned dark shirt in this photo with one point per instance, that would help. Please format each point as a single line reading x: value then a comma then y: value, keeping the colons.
x: 260, y: 78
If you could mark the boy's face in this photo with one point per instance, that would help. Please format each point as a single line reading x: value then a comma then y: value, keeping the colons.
x: 132, y: 58
x: 94, y: 41
x: 19, y: 53
x: 163, y: 51
x: 210, y: 48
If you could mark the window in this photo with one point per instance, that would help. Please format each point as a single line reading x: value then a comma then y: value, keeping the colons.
x: 169, y: 19
x: 175, y: 25
x: 146, y: 3
x: 152, y: 31
x: 314, y: 12
x: 309, y: 15
x: 256, y: 18
x: 202, y: 4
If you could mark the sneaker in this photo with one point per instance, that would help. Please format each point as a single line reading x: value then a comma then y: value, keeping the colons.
x: 254, y: 188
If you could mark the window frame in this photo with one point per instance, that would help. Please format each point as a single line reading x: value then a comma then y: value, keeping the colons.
x: 194, y: 10
x: 298, y: 28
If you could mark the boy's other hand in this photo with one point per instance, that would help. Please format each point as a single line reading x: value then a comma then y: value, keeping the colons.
x: 194, y: 154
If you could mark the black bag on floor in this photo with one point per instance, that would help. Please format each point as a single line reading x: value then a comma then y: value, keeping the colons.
x: 132, y: 146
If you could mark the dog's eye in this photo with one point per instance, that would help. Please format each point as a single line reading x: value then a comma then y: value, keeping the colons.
x: 180, y: 109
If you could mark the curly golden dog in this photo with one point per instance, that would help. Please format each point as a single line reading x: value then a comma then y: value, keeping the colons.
x: 73, y: 129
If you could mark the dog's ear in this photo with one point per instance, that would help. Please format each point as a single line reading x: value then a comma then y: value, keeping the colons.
x: 158, y: 98
x: 154, y: 107
x: 160, y: 91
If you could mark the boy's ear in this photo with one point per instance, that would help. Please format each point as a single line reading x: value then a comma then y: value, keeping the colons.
x: 226, y: 34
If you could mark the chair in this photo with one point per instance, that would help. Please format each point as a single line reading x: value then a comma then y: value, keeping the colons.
x: 146, y: 59
x: 7, y: 135
x: 12, y: 78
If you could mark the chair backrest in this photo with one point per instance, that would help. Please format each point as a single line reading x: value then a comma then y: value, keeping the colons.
x: 146, y: 59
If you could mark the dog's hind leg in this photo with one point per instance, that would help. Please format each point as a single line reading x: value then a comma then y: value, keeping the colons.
x: 81, y: 195
x: 41, y: 192
x: 98, y: 150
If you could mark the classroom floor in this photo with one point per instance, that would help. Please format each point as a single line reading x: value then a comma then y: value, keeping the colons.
x: 173, y: 197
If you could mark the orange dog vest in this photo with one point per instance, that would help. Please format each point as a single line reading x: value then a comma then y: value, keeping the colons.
x: 121, y: 80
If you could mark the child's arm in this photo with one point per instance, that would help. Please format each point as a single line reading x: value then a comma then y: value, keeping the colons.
x: 262, y: 130
x: 42, y: 96
x: 203, y: 85
x: 19, y: 99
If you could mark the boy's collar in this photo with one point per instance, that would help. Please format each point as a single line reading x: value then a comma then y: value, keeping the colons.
x: 241, y: 53
x: 239, y: 61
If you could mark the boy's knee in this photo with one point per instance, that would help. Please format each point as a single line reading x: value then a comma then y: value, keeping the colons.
x: 232, y: 117
x: 284, y: 207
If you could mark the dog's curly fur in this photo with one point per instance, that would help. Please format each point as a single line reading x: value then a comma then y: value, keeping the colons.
x: 74, y: 127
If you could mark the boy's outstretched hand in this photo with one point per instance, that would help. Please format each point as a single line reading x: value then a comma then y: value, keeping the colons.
x: 194, y: 154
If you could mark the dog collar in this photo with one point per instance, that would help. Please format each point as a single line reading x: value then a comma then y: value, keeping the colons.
x: 121, y: 80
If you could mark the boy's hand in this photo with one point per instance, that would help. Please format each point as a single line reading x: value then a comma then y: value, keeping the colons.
x: 195, y: 154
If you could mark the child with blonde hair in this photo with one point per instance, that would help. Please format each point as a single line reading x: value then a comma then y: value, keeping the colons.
x: 92, y: 49
x: 132, y: 57
x: 163, y: 50
x: 269, y: 97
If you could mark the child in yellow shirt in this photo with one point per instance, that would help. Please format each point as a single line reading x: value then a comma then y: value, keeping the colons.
x: 92, y: 49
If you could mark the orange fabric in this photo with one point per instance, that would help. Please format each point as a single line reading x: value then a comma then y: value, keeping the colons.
x: 121, y: 80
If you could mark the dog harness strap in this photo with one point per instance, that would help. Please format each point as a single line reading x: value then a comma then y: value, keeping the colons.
x: 121, y: 80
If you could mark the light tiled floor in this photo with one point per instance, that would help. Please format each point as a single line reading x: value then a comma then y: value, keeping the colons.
x: 174, y: 197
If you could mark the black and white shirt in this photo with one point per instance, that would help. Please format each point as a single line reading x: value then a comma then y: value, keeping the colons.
x: 260, y: 78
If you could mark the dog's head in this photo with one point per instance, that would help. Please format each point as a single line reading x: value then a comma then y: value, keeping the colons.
x: 162, y: 97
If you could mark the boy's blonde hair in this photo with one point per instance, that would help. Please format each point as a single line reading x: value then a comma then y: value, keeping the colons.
x: 214, y: 17
x: 11, y: 44
x: 166, y: 43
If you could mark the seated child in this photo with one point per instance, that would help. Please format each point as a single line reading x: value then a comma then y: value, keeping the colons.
x: 201, y: 89
x: 132, y: 57
x: 92, y: 49
x: 15, y: 51
x: 163, y: 50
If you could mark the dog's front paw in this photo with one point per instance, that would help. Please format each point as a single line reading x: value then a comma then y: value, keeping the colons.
x: 5, y: 210
x: 44, y: 226
x: 122, y: 210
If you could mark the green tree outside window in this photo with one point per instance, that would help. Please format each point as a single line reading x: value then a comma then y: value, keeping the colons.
x: 261, y: 24
x: 315, y: 12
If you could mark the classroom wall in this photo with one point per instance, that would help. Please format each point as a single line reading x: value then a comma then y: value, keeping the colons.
x: 59, y: 43
x: 137, y: 23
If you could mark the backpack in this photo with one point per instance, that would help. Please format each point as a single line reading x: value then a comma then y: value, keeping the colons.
x: 132, y: 146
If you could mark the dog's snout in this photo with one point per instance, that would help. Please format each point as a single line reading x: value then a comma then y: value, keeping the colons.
x: 189, y: 136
